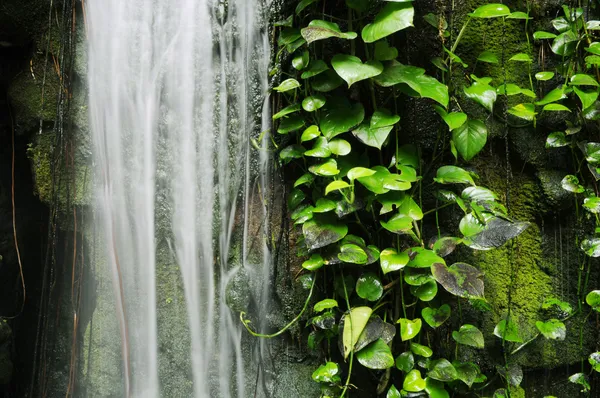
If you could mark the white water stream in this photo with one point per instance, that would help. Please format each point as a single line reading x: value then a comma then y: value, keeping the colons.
x: 174, y: 90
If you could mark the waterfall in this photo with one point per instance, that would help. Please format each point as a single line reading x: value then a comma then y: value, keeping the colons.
x: 177, y: 90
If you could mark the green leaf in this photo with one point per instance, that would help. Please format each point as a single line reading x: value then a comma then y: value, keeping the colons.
x: 376, y: 355
x: 354, y: 324
x: 421, y: 350
x: 393, y: 392
x: 523, y: 111
x: 320, y: 149
x: 540, y: 35
x: 295, y: 198
x: 555, y: 95
x: 407, y: 155
x: 413, y: 381
x: 565, y: 43
x: 439, y: 63
x: 303, y: 4
x: 556, y: 140
x: 313, y: 263
x: 383, y: 51
x: 445, y: 245
x: 435, y: 388
x: 383, y: 118
x: 392, y: 18
x: 314, y: 68
x: 292, y: 123
x: 310, y: 133
x: 423, y: 258
x: 340, y: 147
x: 509, y: 89
x: 591, y: 151
x: 508, y: 331
x: 435, y: 317
x: 323, y: 230
x: 324, y: 205
x: 521, y: 57
x: 314, y: 102
x: 491, y: 11
x: 352, y: 70
x: 336, y: 186
x: 398, y: 224
x: 497, y: 232
x: 594, y: 48
x: 483, y: 94
x: 592, y: 204
x: 405, y: 362
x: 442, y: 370
x: 582, y: 380
x: 368, y: 286
x: 453, y: 175
x: 552, y: 329
x: 470, y: 138
x: 320, y: 30
x: 287, y: 85
x: 408, y: 328
x: 556, y: 108
x: 455, y: 120
x: 467, y: 372
x: 354, y: 254
x: 470, y: 225
x: 328, y: 373
x: 469, y: 335
x: 291, y: 152
x: 373, y: 137
x: 564, y: 307
x: 391, y: 260
x: 325, y: 305
x: 594, y: 360
x: 571, y: 183
x: 591, y: 247
x: 409, y: 208
x: 489, y: 57
x: 304, y: 179
x: 460, y: 279
x: 300, y: 61
x: 358, y: 172
x: 478, y: 194
x: 425, y: 292
x: 286, y: 111
x: 587, y: 98
x: 582, y: 79
x: 518, y: 15
x: 339, y: 116
x: 326, y: 81
x: 288, y: 36
x: 416, y: 79
x: 544, y: 76
x: 285, y: 22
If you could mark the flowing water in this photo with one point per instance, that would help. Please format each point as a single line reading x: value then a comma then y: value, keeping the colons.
x: 176, y: 93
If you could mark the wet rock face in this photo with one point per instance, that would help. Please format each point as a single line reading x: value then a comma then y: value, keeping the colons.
x: 6, y: 365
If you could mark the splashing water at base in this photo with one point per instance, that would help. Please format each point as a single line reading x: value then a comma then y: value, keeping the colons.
x: 175, y: 95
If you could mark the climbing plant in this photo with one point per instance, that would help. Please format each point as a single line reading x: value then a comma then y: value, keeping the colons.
x: 367, y: 201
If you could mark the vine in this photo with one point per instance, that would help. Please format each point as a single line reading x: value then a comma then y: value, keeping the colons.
x: 365, y: 198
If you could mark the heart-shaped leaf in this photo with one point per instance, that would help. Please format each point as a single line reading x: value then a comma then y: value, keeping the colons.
x: 352, y: 70
x: 393, y: 17
x: 314, y: 68
x: 593, y: 300
x: 442, y: 370
x: 416, y: 79
x: 320, y: 149
x: 313, y: 263
x: 460, y: 279
x: 470, y: 138
x: 421, y: 350
x: 383, y: 118
x: 552, y: 329
x: 435, y: 388
x: 453, y: 175
x: 426, y: 292
x: 594, y: 360
x: 556, y: 140
x: 326, y: 81
x: 373, y: 137
x: 435, y: 317
x: 369, y: 287
x: 469, y: 335
x: 320, y: 30
x: 339, y: 116
x: 467, y: 372
x: 354, y: 254
x: 523, y: 111
x: 489, y: 57
x: 496, y: 233
x: 408, y: 328
x: 325, y: 305
x: 328, y: 373
x: 413, y: 382
x: 376, y: 355
x: 314, y: 102
x: 391, y: 260
x: 508, y: 331
x: 398, y: 224
x: 482, y: 93
x: 423, y: 258
x: 287, y: 85
x: 354, y: 324
x: 323, y: 230
x: 405, y: 362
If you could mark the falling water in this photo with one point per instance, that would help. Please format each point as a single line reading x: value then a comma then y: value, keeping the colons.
x: 175, y: 94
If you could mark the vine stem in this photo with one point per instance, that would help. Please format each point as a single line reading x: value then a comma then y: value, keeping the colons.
x: 352, y: 348
x: 246, y: 322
